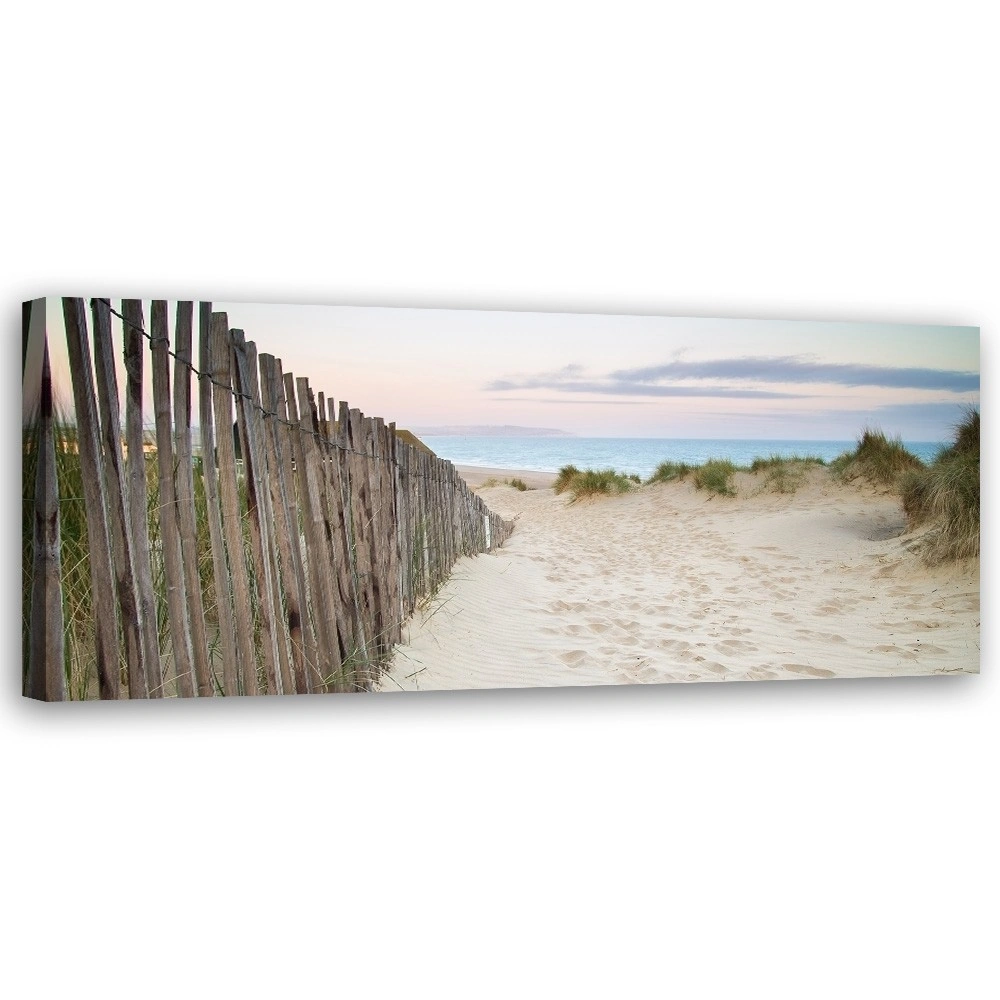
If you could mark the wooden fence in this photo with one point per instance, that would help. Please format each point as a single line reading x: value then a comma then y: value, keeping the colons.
x: 289, y: 568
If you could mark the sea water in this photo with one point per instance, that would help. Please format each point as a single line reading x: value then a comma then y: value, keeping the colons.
x: 640, y: 456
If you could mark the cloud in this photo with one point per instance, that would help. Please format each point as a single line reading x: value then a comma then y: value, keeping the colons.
x: 798, y: 369
x: 618, y: 387
x: 578, y: 402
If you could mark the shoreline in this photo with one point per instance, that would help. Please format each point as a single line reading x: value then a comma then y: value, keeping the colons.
x: 476, y: 475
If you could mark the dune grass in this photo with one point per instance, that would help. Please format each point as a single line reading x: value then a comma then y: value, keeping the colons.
x: 518, y: 484
x: 784, y: 474
x: 593, y: 482
x: 78, y: 618
x: 716, y: 476
x: 668, y: 472
x: 565, y: 478
x: 947, y: 493
x: 878, y: 459
x: 780, y: 461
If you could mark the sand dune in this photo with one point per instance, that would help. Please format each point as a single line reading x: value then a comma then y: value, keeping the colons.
x: 671, y: 584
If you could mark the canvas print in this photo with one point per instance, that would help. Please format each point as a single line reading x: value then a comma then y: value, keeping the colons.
x: 226, y: 499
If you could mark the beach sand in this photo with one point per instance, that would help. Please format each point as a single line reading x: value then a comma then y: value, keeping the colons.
x: 669, y: 583
x: 475, y: 476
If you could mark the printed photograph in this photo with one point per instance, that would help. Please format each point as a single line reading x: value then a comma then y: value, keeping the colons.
x: 228, y: 499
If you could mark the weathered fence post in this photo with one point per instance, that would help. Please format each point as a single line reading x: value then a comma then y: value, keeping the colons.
x: 135, y: 478
x: 286, y: 529
x: 308, y: 466
x: 210, y: 477
x: 98, y: 536
x: 170, y: 538
x: 122, y: 547
x: 274, y: 650
x: 232, y: 520
x: 184, y: 489
x: 46, y: 678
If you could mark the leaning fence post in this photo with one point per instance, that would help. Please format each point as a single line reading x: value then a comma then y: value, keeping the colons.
x: 122, y: 547
x: 170, y: 536
x: 46, y: 673
x: 137, y: 496
x: 98, y: 539
x: 184, y: 489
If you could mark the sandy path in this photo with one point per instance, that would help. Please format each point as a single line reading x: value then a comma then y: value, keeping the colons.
x: 668, y: 584
x: 476, y: 475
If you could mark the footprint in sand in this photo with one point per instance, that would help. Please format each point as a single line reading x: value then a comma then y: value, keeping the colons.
x: 807, y: 671
x: 824, y: 636
x: 573, y: 658
x: 735, y: 646
x: 717, y: 668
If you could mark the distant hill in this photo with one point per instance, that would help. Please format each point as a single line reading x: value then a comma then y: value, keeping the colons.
x: 490, y: 430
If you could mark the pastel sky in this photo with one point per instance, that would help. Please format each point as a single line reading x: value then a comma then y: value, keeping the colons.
x: 620, y: 376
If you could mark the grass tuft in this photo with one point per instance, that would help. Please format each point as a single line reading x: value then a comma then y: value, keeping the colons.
x: 778, y: 462
x: 784, y: 475
x: 518, y: 484
x: 716, y: 476
x: 591, y: 482
x: 947, y: 492
x: 567, y: 474
x: 880, y: 460
x: 667, y: 472
x: 596, y: 483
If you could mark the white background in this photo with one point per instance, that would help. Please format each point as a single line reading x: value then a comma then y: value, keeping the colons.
x: 811, y: 839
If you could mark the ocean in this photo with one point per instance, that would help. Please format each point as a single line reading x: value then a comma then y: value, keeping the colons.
x: 631, y: 455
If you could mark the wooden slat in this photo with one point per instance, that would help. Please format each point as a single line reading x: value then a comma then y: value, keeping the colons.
x: 170, y: 537
x: 350, y: 624
x: 286, y: 531
x: 46, y: 678
x: 315, y: 526
x: 184, y: 489
x: 350, y: 473
x: 232, y: 515
x: 122, y: 546
x: 137, y: 495
x: 210, y: 474
x: 98, y: 536
x: 395, y: 569
x: 373, y: 522
x: 261, y: 516
x: 361, y: 519
x: 321, y: 667
x: 334, y: 551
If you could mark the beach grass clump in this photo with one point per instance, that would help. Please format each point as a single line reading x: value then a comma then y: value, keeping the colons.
x: 667, y: 472
x: 593, y: 482
x: 780, y: 461
x: 784, y: 475
x: 877, y: 458
x: 518, y: 484
x: 946, y: 493
x: 564, y: 480
x: 716, y: 476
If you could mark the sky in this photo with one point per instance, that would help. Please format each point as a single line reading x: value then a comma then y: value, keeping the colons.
x: 615, y: 376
